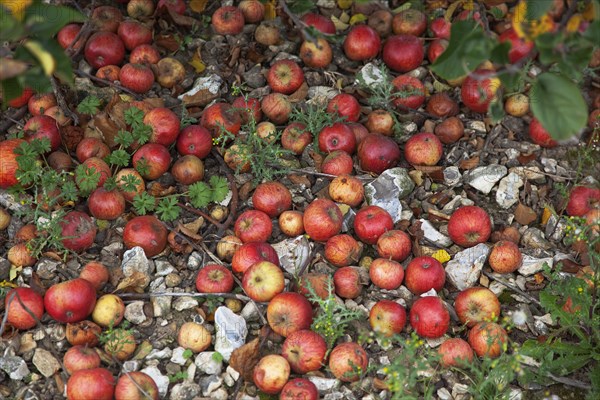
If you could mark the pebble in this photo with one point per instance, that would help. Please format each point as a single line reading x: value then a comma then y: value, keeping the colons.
x: 185, y: 391
x: 464, y: 269
x: 15, y: 367
x: 485, y: 178
x: 27, y: 343
x: 163, y: 268
x: 369, y: 75
x: 45, y: 362
x: 172, y: 280
x: 534, y: 238
x: 135, y: 260
x: 156, y: 354
x: 250, y: 312
x: 219, y: 394
x: 185, y: 303
x: 208, y: 363
x: 476, y: 126
x: 161, y: 305
x: 452, y: 176
x: 210, y: 383
x: 134, y: 312
x: 555, y: 228
x: 324, y: 384
x: 388, y: 189
x: 194, y: 261
x: 230, y: 376
x: 46, y: 268
x: 533, y: 174
x: 131, y: 365
x: 231, y: 331
x: 549, y: 165
x: 162, y: 381
x: 532, y: 265
x: 508, y: 190
x: 433, y: 235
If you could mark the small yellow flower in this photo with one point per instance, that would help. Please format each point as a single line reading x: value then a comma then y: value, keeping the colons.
x: 530, y: 29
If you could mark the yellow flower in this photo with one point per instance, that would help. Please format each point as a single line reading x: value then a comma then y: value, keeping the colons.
x: 530, y: 29
x: 574, y: 22
x: 16, y: 7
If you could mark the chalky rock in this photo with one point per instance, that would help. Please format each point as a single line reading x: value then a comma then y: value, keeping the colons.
x: 135, y: 261
x: 185, y: 303
x: 178, y: 356
x: 508, y: 190
x: 293, y: 253
x: 532, y: 174
x: 555, y: 228
x: 134, y: 312
x: 208, y: 363
x: 485, y: 178
x: 532, y: 265
x: 15, y: 367
x: 533, y: 238
x: 45, y: 362
x: 452, y: 176
x: 433, y: 235
x: 206, y: 87
x: 231, y: 331
x: 388, y: 189
x: 162, y: 381
x: 210, y: 383
x: 464, y: 269
x: 185, y: 391
x: 370, y: 75
x: 321, y: 94
x: 324, y: 384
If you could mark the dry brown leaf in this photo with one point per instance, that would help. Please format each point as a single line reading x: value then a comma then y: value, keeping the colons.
x: 191, y: 233
x: 525, y: 159
x: 245, y: 358
x: 178, y: 19
x: 194, y: 226
x: 107, y: 128
x: 10, y: 68
x: 299, y: 180
x: 469, y: 163
x: 299, y: 94
x: 169, y: 42
x: 60, y: 383
x: 158, y: 190
x: 177, y: 244
x: 524, y: 214
x: 244, y: 191
x: 198, y: 5
x: 36, y: 284
x: 136, y: 282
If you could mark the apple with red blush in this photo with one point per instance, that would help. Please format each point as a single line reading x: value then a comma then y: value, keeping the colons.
x: 582, y: 200
x: 227, y: 20
x: 276, y: 107
x: 322, y: 220
x: 348, y: 361
x: 221, y: 116
x: 347, y: 189
x: 488, y: 339
x: 91, y: 147
x: 429, y: 317
x: 214, y: 278
x: 316, y: 54
x: 165, y: 125
x: 188, y: 169
x: 66, y: 36
x: 395, y: 245
x: 409, y: 22
x: 253, y: 11
x: 519, y: 48
x: 249, y: 254
x: 126, y: 175
x: 505, y: 257
x: 371, y: 222
x: 271, y: 373
x: 295, y: 137
x: 136, y: 385
x: 106, y: 18
x: 138, y: 78
x: 540, y: 136
x: 152, y: 160
x: 147, y: 232
x: 409, y: 92
x: 455, y: 352
x: 362, y: 43
x: 272, y: 198
x: 319, y: 22
x: 176, y: 6
x: 81, y: 357
x: 104, y: 48
x: 440, y: 28
x: 248, y: 108
x: 40, y: 102
x: 299, y: 388
x: 21, y: 100
x: 289, y: 312
x: 106, y: 204
x: 263, y: 281
x: 476, y: 304
x: 343, y: 250
x: 469, y: 226
x: 376, y: 153
x: 386, y: 274
x: 479, y: 89
x: 381, y: 122
x: 436, y: 48
x: 291, y: 223
x: 96, y: 273
x: 194, y: 140
x: 347, y: 282
x: 345, y: 105
x: 43, y: 126
x: 94, y: 383
x: 144, y: 54
x: 403, y: 53
x: 338, y: 136
x: 134, y: 34
x: 70, y: 301
x: 78, y: 231
x: 423, y: 274
x: 449, y: 130
x: 360, y: 131
x: 16, y: 304
x: 253, y: 226
x: 305, y: 350
x: 285, y: 76
x: 337, y: 163
x: 387, y: 317
x: 423, y: 149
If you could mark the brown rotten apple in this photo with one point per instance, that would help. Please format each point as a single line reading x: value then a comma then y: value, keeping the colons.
x: 337, y: 163
x: 316, y: 54
x: 347, y: 189
x: 289, y: 312
x: 221, y: 116
x: 78, y: 231
x: 194, y: 336
x: 469, y: 225
x: 343, y: 250
x: 305, y: 351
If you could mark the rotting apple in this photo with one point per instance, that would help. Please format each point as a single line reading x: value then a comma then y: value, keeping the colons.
x: 488, y: 339
x: 227, y: 20
x: 423, y: 149
x: 450, y: 130
x: 19, y: 255
x: 194, y: 336
x: 137, y: 9
x: 78, y: 231
x: 188, y: 169
x: 221, y: 116
x: 271, y: 373
x: 108, y: 311
x: 227, y: 247
x: 409, y: 92
x: 429, y: 317
x: 347, y: 189
x: 409, y: 22
x: 291, y: 223
x: 147, y: 232
x: 347, y: 282
x: 343, y: 250
x: 381, y: 22
x: 305, y: 350
x: 96, y: 273
x: 505, y: 257
x: 272, y: 198
x: 387, y: 317
x: 85, y: 333
x: 43, y: 127
x: 442, y: 105
x: 253, y: 10
x: 299, y: 388
x: 348, y: 361
x: 106, y: 18
x: 170, y: 72
x: 276, y: 107
x: 381, y: 122
x: 138, y: 78
x: 316, y: 54
x: 479, y: 89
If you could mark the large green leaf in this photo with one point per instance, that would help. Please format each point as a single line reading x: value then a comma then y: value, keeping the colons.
x: 64, y: 70
x: 44, y: 20
x: 537, y: 8
x: 10, y: 28
x: 468, y: 47
x: 559, y: 105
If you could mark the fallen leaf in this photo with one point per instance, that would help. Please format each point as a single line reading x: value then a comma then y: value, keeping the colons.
x: 299, y: 94
x: 245, y: 358
x: 10, y: 68
x: 36, y: 284
x: 191, y: 233
x: 344, y: 4
x: 194, y: 226
x: 158, y: 190
x: 469, y: 163
x: 299, y: 179
x: 525, y: 159
x: 168, y: 42
x: 181, y: 20
x: 357, y: 18
x: 539, y: 278
x: 198, y: 5
x: 142, y: 350
x: 197, y: 62
x: 60, y: 383
x: 177, y: 244
x: 524, y: 214
x: 244, y: 191
x: 546, y: 214
x: 136, y: 282
x: 270, y: 10
x: 441, y: 255
x: 339, y: 25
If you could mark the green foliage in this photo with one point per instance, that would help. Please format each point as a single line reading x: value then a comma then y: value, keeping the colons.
x: 115, y: 339
x: 333, y: 317
x: 187, y: 354
x: 217, y: 357
x: 178, y: 377
x: 87, y: 178
x: 90, y: 105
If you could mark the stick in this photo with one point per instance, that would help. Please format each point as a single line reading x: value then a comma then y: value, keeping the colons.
x: 512, y: 287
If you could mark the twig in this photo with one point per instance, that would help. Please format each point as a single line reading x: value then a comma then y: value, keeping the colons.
x: 414, y: 110
x: 10, y: 121
x: 512, y: 287
x: 109, y: 83
x: 301, y: 25
x: 200, y: 213
x: 62, y: 103
x: 143, y: 296
x: 234, y: 197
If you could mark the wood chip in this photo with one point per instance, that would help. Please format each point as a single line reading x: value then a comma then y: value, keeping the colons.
x: 524, y: 214
x: 469, y: 163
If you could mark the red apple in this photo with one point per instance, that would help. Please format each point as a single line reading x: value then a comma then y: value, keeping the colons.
x: 423, y: 274
x: 43, y: 126
x: 152, y: 160
x: 194, y: 140
x: 386, y: 274
x: 299, y: 388
x: 469, y: 225
x: 381, y: 121
x: 272, y: 198
x: 249, y: 254
x: 136, y: 385
x: 276, y: 107
x: 338, y: 136
x: 22, y: 100
x: 347, y: 189
x: 540, y: 136
x: 450, y: 130
x: 488, y: 339
x: 409, y: 22
x: 319, y: 282
x: 343, y: 250
x: 104, y: 48
x: 165, y: 125
x: 476, y: 304
x: 39, y: 103
x: 305, y: 350
x: 78, y: 231
x: 134, y: 34
x: 316, y: 54
x: 248, y: 107
x: 423, y: 149
x: 410, y: 92
x: 188, y: 169
x: 221, y: 116
x: 371, y: 222
x: 95, y: 273
x: 253, y: 226
x: 295, y: 137
x: 319, y: 22
x: 362, y: 43
x: 126, y: 175
x: 345, y: 105
x: 347, y: 284
x: 67, y: 35
x: 144, y: 54
x: 291, y: 223
x: 582, y: 200
x: 214, y: 278
x: 479, y: 89
x: 348, y: 362
x: 387, y: 317
x: 394, y: 245
x: 440, y: 28
x: 17, y: 314
x: 267, y: 131
x: 253, y: 10
x: 95, y: 383
x: 436, y: 48
x: 106, y: 18
x: 429, y: 317
x: 138, y: 78
x: 20, y: 256
x: 403, y: 53
x: 147, y: 232
x: 177, y: 6
x: 505, y: 257
x: 455, y: 352
x: 337, y: 163
x: 91, y: 147
x: 8, y: 162
x: 285, y: 76
x: 227, y: 20
x: 263, y: 281
x: 289, y: 312
x: 322, y: 219
x: 80, y: 357
x: 376, y: 153
x: 271, y: 373
x: 106, y: 204
x: 70, y: 301
x: 519, y: 48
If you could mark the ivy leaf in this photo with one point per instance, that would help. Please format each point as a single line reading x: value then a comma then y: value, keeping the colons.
x: 559, y: 105
x: 200, y: 194
x: 468, y: 47
x: 220, y: 188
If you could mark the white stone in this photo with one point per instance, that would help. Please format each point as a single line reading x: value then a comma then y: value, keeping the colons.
x: 45, y: 362
x: 464, y: 269
x: 162, y: 381
x: 485, y: 178
x: 185, y: 303
x: 452, y: 176
x: 231, y: 331
x: 532, y: 265
x: 156, y: 354
x: 324, y: 384
x: 293, y: 253
x: 211, y: 83
x: 533, y: 174
x: 206, y: 363
x: 508, y: 190
x: 135, y: 260
x: 250, y: 312
x: 433, y: 235
x: 15, y: 367
x: 370, y: 75
x: 388, y: 189
x: 134, y: 312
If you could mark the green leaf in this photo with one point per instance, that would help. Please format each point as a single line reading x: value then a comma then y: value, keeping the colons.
x: 144, y: 203
x: 11, y: 89
x: 90, y: 105
x: 546, y: 44
x: 134, y: 116
x: 44, y: 20
x: 511, y: 81
x: 559, y: 105
x: 200, y: 194
x: 592, y: 33
x: 220, y: 188
x: 496, y: 110
x: 469, y: 47
x: 537, y: 8
x: 87, y: 178
x: 118, y: 157
x: 10, y: 29
x: 167, y: 209
x: 499, y: 53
